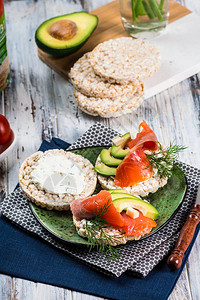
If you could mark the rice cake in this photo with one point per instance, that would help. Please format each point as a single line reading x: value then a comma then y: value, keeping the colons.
x: 124, y: 60
x: 91, y: 85
x: 117, y: 234
x: 52, y: 200
x: 106, y: 107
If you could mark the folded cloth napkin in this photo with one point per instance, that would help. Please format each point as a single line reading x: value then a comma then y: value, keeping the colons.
x: 24, y: 256
x: 140, y: 257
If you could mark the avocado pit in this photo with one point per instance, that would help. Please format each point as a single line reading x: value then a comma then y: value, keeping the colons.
x: 63, y: 30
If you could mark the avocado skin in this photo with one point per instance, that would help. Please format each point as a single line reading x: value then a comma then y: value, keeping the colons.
x: 108, y: 160
x: 118, y: 151
x: 151, y: 211
x: 57, y: 52
x: 105, y: 170
x: 63, y: 51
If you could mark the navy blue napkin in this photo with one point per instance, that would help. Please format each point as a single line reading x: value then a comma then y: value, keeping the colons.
x: 25, y: 256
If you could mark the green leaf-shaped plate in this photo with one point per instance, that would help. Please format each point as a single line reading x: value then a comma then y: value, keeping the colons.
x: 166, y: 200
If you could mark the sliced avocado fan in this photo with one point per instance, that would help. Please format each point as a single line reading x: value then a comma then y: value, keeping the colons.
x: 111, y: 157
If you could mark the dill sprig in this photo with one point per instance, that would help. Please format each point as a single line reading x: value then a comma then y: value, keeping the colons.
x: 98, y: 238
x: 163, y: 159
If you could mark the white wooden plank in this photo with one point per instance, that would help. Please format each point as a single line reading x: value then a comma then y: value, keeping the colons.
x: 71, y: 121
x: 5, y: 287
x: 29, y: 101
x: 81, y: 296
x: 182, y: 288
x: 24, y: 289
x: 194, y: 270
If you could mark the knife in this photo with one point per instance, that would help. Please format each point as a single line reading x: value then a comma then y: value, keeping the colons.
x: 185, y: 237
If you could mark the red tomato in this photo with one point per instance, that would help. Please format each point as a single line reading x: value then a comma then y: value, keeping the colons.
x: 5, y: 130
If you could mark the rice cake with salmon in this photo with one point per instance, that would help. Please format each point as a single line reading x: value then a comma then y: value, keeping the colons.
x: 134, y: 173
x: 118, y: 228
x: 142, y: 189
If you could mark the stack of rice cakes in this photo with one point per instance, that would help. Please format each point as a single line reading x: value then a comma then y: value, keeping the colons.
x: 109, y: 80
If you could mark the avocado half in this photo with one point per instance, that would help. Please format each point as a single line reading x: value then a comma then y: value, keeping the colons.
x: 63, y: 35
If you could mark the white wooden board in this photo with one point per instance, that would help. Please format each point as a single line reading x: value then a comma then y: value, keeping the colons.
x: 180, y: 54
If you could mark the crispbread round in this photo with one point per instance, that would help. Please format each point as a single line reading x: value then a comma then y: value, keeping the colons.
x: 106, y: 107
x: 130, y: 106
x: 117, y: 234
x: 50, y: 200
x: 125, y: 60
x: 91, y: 85
x: 142, y: 189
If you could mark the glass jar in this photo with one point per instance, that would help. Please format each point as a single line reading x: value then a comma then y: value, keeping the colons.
x: 144, y: 18
x: 4, y: 60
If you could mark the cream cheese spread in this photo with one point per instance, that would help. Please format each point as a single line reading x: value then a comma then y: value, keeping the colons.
x: 58, y: 175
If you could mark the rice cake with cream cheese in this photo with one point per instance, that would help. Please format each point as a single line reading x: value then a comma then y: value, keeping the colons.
x: 53, y: 179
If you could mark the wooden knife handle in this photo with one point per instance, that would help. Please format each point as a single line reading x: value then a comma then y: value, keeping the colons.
x: 187, y: 232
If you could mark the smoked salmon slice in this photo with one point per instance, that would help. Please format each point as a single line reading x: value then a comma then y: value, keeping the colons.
x: 135, y: 167
x: 138, y: 226
x: 88, y: 208
x: 145, y: 138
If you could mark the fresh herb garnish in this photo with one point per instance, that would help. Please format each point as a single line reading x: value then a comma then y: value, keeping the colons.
x: 98, y: 238
x: 163, y: 159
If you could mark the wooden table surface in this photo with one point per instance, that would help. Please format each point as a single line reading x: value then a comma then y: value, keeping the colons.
x: 39, y: 104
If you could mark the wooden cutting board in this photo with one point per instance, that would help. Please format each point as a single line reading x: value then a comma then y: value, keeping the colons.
x: 109, y: 26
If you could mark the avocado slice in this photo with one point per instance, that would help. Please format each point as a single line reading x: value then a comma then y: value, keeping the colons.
x: 146, y: 208
x: 108, y: 160
x: 105, y: 170
x: 118, y: 151
x: 63, y: 35
x: 118, y: 191
x: 118, y: 196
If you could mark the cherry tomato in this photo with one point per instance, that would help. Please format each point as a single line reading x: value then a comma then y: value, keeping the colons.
x: 5, y: 130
